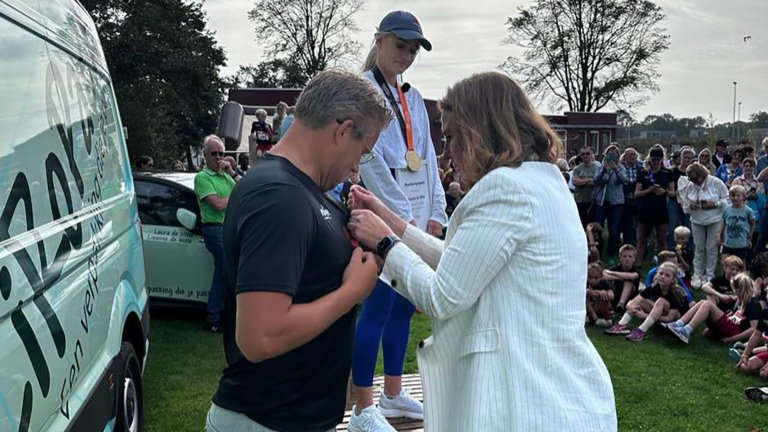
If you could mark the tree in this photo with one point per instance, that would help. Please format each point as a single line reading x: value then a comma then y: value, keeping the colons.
x: 759, y: 120
x: 587, y: 53
x: 164, y: 65
x: 275, y: 73
x: 315, y: 34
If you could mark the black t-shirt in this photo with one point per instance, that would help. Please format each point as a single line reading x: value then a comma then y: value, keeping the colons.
x: 263, y: 133
x: 751, y: 312
x: 653, y: 202
x: 675, y: 296
x: 676, y: 174
x: 618, y: 285
x: 282, y: 234
x: 762, y: 323
x: 722, y: 285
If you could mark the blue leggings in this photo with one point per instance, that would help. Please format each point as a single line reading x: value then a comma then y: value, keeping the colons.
x: 384, y: 312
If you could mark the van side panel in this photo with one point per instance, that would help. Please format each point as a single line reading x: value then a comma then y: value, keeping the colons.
x: 71, y: 261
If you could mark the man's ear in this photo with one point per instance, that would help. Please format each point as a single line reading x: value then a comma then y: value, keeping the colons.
x: 344, y: 128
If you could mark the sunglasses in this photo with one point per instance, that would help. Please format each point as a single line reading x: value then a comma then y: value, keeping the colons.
x: 586, y: 154
x: 655, y: 159
x: 216, y: 154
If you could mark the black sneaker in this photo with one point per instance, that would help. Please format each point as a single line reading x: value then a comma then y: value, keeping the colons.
x: 212, y: 327
x: 757, y: 394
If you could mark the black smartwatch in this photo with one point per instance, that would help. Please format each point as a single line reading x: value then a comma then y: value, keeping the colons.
x: 385, y: 245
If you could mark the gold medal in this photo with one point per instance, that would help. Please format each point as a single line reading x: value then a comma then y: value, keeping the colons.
x: 413, y: 160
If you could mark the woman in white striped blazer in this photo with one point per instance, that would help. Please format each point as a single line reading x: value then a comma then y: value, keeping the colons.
x: 505, y: 291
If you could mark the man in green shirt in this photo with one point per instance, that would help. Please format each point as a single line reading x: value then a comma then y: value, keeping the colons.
x: 213, y: 185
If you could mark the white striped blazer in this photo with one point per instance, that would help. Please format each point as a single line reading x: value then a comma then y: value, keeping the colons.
x: 506, y: 295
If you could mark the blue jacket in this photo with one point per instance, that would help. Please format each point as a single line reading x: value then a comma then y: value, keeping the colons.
x: 616, y: 179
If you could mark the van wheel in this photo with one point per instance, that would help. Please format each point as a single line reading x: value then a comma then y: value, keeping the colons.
x: 130, y: 395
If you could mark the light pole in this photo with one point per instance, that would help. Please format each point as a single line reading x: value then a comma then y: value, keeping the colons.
x: 738, y: 122
x: 733, y: 128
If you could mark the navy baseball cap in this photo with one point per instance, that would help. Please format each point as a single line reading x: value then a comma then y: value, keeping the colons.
x: 405, y: 26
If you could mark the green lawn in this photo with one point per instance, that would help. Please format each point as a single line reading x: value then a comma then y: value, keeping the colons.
x: 660, y: 384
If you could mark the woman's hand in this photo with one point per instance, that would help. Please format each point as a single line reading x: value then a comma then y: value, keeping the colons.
x: 367, y: 228
x: 362, y: 199
x: 434, y: 228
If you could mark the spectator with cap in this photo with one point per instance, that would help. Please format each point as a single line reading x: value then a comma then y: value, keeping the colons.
x: 726, y: 172
x: 654, y: 185
x: 213, y: 185
x: 404, y: 157
x: 721, y: 153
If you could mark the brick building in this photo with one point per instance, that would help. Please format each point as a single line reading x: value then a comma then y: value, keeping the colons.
x: 575, y: 129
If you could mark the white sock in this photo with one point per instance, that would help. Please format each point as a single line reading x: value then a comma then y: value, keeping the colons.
x: 679, y: 323
x: 688, y: 329
x: 625, y: 319
x: 647, y: 324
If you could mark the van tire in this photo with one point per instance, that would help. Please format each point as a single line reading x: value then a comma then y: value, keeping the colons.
x: 130, y: 391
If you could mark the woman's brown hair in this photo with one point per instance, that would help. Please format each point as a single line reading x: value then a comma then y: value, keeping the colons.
x: 494, y: 124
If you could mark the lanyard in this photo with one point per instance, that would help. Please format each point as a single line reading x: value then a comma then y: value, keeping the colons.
x: 403, y: 118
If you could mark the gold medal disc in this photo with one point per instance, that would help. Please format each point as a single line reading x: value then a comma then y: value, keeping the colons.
x: 413, y: 160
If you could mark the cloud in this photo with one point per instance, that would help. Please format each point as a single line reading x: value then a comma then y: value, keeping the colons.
x: 707, y: 50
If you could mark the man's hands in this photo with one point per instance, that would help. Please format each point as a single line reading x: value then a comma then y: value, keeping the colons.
x: 361, y: 274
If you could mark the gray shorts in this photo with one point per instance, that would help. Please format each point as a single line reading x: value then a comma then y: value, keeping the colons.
x: 223, y: 420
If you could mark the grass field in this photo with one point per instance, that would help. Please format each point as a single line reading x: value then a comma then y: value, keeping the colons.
x: 660, y: 384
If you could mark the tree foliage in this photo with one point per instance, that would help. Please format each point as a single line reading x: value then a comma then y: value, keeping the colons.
x: 275, y: 73
x: 165, y: 65
x: 313, y: 34
x: 586, y: 54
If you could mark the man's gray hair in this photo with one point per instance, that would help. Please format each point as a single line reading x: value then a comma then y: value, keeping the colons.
x: 334, y: 95
x: 765, y: 141
x: 209, y: 138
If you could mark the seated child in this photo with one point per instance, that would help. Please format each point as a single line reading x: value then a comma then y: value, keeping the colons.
x: 719, y: 290
x: 663, y: 301
x: 594, y: 233
x: 757, y: 363
x: 684, y: 256
x: 599, y: 296
x: 735, y: 325
x: 626, y: 277
x: 669, y: 256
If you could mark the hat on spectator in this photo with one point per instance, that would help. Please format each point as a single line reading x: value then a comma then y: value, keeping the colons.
x: 657, y: 153
x: 722, y: 143
x: 405, y: 26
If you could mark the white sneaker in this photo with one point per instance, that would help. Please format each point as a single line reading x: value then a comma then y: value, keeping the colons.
x: 402, y: 405
x: 604, y: 323
x: 697, y: 282
x: 369, y: 420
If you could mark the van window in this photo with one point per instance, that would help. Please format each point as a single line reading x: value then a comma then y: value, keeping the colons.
x: 158, y: 203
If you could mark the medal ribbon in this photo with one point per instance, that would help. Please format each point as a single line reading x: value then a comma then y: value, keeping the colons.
x: 407, y: 115
x: 403, y: 118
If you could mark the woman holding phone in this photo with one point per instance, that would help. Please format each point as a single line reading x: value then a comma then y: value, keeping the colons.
x: 403, y: 175
x: 608, y: 197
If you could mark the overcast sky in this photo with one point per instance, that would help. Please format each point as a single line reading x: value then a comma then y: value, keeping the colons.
x: 707, y: 50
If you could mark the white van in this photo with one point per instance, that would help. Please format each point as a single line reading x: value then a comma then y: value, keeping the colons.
x: 74, y: 320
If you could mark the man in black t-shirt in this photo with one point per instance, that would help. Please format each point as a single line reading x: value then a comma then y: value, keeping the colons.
x: 293, y: 278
